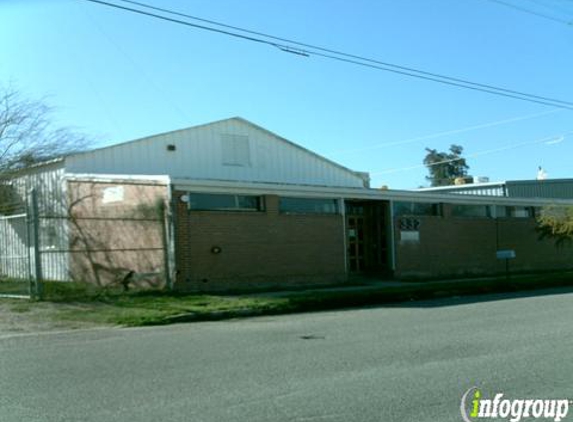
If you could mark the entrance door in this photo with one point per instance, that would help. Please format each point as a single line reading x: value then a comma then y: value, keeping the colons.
x: 367, y: 237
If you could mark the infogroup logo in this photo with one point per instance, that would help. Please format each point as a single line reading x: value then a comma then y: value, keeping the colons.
x: 475, y: 407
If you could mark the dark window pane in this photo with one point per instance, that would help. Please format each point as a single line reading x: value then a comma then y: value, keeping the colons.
x: 402, y: 208
x: 248, y: 202
x: 308, y: 205
x: 354, y: 209
x: 208, y: 201
x: 470, y: 211
x: 501, y: 211
x: 415, y: 208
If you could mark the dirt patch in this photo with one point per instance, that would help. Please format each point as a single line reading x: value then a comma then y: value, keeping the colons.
x: 24, y: 316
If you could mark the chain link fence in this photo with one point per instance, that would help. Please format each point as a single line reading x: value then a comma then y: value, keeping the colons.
x: 18, y: 228
x: 106, y: 234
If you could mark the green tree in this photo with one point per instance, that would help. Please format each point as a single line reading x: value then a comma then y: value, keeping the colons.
x: 556, y: 222
x: 445, y: 167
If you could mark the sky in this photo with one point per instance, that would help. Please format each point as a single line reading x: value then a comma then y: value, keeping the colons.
x: 118, y: 76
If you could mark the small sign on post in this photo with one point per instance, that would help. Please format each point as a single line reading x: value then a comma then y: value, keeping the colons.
x: 506, y: 254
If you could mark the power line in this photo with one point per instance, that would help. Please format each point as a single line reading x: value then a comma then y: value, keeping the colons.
x: 341, y: 53
x: 338, y: 55
x: 448, y: 132
x: 532, y: 12
x: 290, y: 41
x: 140, y: 70
x: 552, y: 7
x: 550, y: 140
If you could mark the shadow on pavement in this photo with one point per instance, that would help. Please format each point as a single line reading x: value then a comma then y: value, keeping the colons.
x: 477, y: 298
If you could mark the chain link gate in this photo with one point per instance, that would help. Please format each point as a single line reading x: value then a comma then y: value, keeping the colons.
x: 19, y: 276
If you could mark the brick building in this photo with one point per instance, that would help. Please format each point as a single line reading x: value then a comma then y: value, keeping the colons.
x: 244, y: 207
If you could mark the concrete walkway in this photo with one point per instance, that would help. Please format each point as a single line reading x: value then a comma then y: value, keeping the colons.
x: 364, y: 284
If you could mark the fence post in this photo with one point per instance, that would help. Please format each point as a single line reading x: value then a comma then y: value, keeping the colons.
x: 165, y: 240
x: 38, y: 287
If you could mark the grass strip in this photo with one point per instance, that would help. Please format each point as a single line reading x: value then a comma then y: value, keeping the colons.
x: 85, y: 303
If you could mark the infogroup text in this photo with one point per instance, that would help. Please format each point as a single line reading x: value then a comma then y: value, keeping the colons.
x: 475, y: 407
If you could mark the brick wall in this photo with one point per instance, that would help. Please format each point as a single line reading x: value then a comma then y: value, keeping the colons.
x: 257, y: 248
x: 450, y: 246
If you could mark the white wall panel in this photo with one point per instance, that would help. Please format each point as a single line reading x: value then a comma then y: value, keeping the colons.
x: 198, y: 155
x: 48, y: 181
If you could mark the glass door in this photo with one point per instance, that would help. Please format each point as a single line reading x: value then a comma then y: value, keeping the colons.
x: 367, y: 236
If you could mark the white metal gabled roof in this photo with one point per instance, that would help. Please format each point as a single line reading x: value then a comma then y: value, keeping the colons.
x: 363, y: 175
x: 198, y: 155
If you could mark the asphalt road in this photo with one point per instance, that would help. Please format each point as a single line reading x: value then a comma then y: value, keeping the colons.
x: 398, y: 363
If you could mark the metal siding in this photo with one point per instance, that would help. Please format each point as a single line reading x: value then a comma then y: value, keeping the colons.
x: 198, y: 156
x: 541, y: 189
x: 476, y: 189
x: 14, y: 258
x: 48, y: 181
x: 551, y: 188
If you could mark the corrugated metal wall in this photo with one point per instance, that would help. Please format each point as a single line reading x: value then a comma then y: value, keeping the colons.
x: 562, y: 189
x: 14, y: 254
x: 48, y: 181
x: 480, y: 190
x: 199, y: 154
x: 556, y: 188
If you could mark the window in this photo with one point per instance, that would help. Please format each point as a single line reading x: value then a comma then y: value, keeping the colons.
x: 416, y: 208
x: 51, y: 235
x: 471, y: 211
x: 520, y: 212
x: 354, y: 209
x: 235, y: 150
x: 308, y: 205
x: 515, y: 212
x: 536, y: 211
x: 217, y: 202
x: 501, y: 211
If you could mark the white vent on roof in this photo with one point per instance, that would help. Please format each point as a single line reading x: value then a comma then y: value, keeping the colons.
x: 235, y: 150
x: 481, y: 179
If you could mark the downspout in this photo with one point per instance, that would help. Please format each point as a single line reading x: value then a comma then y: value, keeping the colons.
x: 171, y: 220
x: 344, y: 240
x: 392, y: 237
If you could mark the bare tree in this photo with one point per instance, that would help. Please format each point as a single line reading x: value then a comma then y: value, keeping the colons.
x: 26, y: 133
